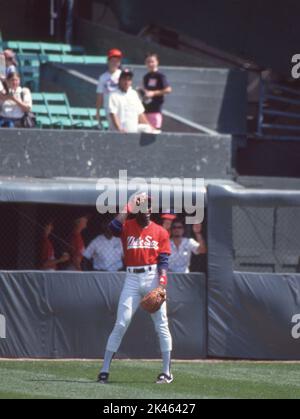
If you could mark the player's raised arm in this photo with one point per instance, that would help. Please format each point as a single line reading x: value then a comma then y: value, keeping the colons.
x: 116, y: 226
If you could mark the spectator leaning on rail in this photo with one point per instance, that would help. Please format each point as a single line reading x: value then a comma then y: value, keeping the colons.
x: 106, y: 252
x: 126, y: 109
x: 183, y: 248
x: 109, y: 81
x: 15, y: 104
x: 156, y: 86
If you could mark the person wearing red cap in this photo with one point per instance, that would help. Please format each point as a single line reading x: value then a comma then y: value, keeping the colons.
x: 167, y: 221
x: 109, y: 81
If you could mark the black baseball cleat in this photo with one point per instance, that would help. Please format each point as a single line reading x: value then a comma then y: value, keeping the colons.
x: 165, y: 379
x: 103, y: 378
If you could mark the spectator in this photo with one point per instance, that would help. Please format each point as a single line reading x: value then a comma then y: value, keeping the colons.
x: 167, y: 220
x: 15, y: 104
x: 109, y: 81
x: 156, y: 86
x: 77, y: 246
x: 8, y: 64
x: 126, y: 109
x: 183, y: 248
x: 11, y: 62
x: 48, y: 260
x: 105, y: 252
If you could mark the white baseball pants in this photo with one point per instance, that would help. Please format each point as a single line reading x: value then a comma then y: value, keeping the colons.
x: 135, y: 288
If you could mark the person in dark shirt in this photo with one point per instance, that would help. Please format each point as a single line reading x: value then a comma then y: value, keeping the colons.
x: 156, y: 86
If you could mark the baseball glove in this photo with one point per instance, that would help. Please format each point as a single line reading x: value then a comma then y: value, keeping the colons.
x: 153, y: 301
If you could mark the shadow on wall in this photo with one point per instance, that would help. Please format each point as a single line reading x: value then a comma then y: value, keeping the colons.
x: 233, y: 112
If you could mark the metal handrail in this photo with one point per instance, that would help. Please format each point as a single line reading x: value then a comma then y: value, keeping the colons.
x: 272, y: 111
x: 290, y: 115
x: 281, y: 127
x: 283, y: 88
x: 282, y: 99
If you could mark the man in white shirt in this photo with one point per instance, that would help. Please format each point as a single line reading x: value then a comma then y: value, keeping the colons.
x: 126, y: 109
x: 109, y: 81
x: 106, y: 252
x: 183, y: 248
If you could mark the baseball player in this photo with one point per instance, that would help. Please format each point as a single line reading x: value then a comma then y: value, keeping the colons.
x: 146, y: 250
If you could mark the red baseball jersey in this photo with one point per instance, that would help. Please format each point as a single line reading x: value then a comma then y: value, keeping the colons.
x: 77, y: 245
x: 47, y: 252
x: 142, y: 246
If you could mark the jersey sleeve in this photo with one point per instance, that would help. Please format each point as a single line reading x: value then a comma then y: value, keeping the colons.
x: 194, y: 246
x: 165, y: 244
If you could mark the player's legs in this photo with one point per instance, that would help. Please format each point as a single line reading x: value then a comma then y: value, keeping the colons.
x: 161, y: 324
x: 128, y: 304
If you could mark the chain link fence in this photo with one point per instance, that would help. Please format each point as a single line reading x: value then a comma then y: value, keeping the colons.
x: 266, y: 239
x: 23, y: 234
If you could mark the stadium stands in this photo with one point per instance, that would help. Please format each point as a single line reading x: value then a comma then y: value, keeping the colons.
x: 53, y: 110
x: 279, y: 112
x: 31, y: 55
x: 41, y: 48
x: 211, y: 98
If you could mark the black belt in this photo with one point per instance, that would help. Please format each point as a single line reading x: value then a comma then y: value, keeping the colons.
x: 140, y: 270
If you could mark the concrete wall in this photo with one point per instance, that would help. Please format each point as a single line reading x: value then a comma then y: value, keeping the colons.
x: 99, y: 39
x: 266, y: 32
x: 213, y: 98
x: 43, y: 153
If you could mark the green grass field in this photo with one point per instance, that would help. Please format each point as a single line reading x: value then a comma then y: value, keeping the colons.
x: 135, y: 380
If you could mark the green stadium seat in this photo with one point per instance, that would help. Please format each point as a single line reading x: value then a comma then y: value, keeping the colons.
x: 38, y: 98
x: 90, y: 59
x: 72, y: 49
x: 48, y: 48
x: 52, y: 110
x: 11, y: 45
x: 84, y: 118
x: 43, y: 48
x: 30, y: 77
x: 72, y: 59
x: 29, y: 59
x: 56, y: 99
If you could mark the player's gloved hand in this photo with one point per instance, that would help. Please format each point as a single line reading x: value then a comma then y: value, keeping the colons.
x: 153, y: 301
